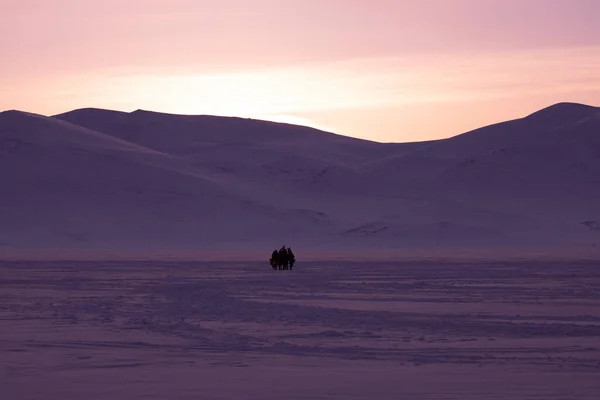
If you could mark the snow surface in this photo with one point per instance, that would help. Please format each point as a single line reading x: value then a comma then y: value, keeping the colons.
x: 437, y: 270
x: 417, y: 329
x: 104, y: 181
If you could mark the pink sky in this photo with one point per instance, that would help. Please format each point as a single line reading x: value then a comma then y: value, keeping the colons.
x: 386, y: 70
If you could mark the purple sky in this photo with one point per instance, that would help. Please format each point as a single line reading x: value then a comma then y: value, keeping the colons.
x: 387, y: 70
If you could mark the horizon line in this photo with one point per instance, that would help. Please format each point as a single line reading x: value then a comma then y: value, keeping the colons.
x: 266, y: 120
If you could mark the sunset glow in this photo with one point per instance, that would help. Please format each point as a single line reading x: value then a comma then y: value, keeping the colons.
x: 381, y: 70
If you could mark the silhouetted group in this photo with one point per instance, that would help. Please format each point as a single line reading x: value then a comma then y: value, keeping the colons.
x: 282, y: 259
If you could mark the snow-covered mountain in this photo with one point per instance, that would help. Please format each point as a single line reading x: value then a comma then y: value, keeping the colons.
x: 96, y: 179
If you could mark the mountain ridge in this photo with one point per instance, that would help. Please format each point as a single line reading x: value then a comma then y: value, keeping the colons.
x: 142, y: 180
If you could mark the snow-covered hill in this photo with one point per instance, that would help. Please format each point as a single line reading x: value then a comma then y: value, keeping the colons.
x: 105, y: 180
x: 535, y: 179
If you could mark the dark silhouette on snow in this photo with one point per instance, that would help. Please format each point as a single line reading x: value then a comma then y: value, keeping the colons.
x: 283, y: 259
x: 273, y: 259
x: 291, y: 257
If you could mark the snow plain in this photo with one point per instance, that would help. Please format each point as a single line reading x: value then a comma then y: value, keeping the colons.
x: 410, y: 329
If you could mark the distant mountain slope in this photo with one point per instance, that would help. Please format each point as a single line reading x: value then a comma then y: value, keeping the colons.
x: 199, y: 134
x: 287, y: 158
x: 544, y: 168
x: 531, y: 130
x: 100, y: 179
x: 26, y: 128
x: 549, y: 150
x: 69, y: 187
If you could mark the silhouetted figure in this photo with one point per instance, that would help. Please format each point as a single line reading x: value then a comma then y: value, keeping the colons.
x: 273, y: 260
x: 291, y: 257
x: 282, y: 258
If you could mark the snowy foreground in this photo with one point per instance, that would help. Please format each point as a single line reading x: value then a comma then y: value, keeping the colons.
x: 334, y: 330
